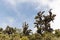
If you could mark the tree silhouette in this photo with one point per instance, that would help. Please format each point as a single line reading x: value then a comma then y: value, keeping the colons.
x: 39, y: 22
x: 1, y: 29
x: 9, y: 30
x: 43, y: 22
x: 26, y: 31
x: 47, y: 20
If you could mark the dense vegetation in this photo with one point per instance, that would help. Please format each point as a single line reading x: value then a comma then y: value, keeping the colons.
x: 43, y: 32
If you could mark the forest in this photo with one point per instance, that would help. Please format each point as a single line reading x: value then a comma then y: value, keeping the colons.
x: 42, y: 24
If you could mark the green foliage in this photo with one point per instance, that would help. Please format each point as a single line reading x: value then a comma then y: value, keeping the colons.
x: 48, y: 36
x: 38, y: 36
x: 24, y: 38
x: 4, y: 37
x: 9, y: 30
x: 57, y: 32
x: 1, y: 29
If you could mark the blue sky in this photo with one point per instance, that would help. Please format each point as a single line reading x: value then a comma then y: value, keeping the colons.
x: 15, y: 12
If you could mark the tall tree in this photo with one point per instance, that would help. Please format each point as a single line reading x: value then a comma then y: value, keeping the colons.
x: 26, y: 31
x: 43, y: 21
x: 47, y: 20
x: 39, y: 22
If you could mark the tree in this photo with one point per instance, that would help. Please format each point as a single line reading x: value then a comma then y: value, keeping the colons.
x: 47, y: 20
x: 26, y: 31
x: 1, y: 29
x: 9, y: 30
x: 43, y: 22
x: 39, y: 22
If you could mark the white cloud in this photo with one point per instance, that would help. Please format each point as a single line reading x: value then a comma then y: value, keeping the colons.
x: 14, y: 2
x: 10, y: 2
x: 39, y: 3
x: 55, y: 5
